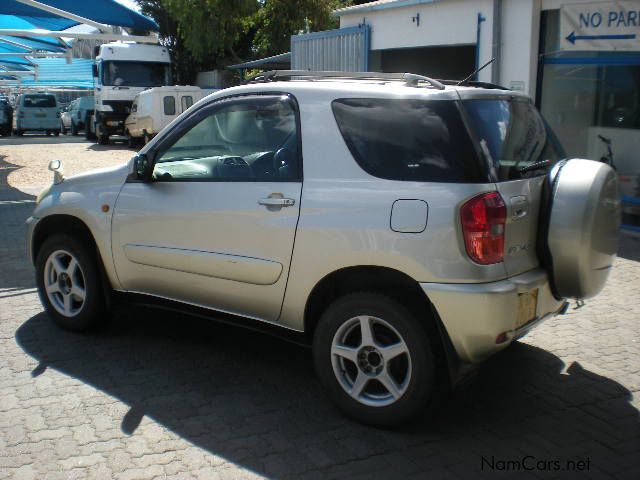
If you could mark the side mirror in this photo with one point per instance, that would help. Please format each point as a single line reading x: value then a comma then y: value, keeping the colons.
x: 55, y: 166
x: 142, y: 167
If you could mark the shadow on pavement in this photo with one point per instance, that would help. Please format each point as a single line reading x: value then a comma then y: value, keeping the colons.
x: 15, y: 208
x: 256, y: 402
x: 629, y: 246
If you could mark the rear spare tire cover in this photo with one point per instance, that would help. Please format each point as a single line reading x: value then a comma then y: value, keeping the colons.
x: 582, y: 234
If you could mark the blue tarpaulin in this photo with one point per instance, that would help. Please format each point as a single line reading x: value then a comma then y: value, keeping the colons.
x: 56, y: 72
x: 16, y: 15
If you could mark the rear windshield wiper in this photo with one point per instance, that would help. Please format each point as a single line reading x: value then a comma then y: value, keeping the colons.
x: 535, y: 166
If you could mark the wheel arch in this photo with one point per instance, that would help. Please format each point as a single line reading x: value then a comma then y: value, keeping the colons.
x: 391, y: 282
x: 59, y: 223
x: 70, y: 225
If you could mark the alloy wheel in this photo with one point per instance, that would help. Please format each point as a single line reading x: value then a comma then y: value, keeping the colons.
x: 64, y: 282
x: 371, y: 361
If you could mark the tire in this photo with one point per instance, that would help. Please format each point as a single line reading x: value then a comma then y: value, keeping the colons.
x: 57, y: 133
x: 75, y: 314
x: 88, y: 134
x: 103, y: 139
x: 412, y: 371
x: 579, y: 223
x: 131, y: 142
x: 19, y: 133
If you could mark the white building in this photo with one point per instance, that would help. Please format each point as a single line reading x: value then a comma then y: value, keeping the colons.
x: 579, y: 60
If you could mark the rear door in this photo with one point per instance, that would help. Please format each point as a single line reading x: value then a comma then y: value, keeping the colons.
x: 513, y: 137
x: 186, y: 100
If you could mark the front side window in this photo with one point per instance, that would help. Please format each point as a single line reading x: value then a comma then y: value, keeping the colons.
x: 512, y: 135
x: 241, y: 140
x: 169, y: 103
x: 187, y: 101
x: 135, y: 74
x: 39, y: 101
x: 411, y: 140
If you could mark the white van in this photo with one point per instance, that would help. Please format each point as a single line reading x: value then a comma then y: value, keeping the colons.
x: 153, y: 109
x: 36, y: 112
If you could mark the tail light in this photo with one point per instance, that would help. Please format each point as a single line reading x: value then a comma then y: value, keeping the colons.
x: 483, y: 223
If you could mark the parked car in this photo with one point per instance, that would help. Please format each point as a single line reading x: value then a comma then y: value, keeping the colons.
x: 404, y: 228
x: 65, y: 118
x: 154, y: 109
x: 37, y: 112
x: 78, y: 111
x: 6, y: 117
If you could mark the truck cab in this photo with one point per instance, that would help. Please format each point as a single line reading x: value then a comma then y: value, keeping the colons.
x: 122, y: 71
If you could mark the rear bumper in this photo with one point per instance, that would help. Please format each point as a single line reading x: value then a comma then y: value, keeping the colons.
x: 482, y: 319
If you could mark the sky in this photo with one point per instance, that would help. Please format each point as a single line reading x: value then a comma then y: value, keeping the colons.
x: 129, y: 3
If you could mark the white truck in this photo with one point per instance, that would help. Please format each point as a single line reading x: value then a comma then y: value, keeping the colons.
x: 123, y: 70
x: 155, y: 108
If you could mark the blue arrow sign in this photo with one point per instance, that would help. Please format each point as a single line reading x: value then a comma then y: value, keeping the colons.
x: 572, y: 37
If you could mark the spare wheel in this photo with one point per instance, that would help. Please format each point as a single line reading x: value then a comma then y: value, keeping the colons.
x: 579, y: 227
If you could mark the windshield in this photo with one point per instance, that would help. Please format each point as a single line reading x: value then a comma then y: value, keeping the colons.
x: 39, y: 101
x: 135, y: 74
x: 512, y: 135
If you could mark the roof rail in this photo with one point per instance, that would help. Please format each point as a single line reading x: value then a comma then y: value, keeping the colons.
x: 410, y: 79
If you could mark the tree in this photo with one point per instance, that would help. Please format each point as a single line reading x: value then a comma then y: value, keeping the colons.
x: 277, y: 20
x: 185, y: 67
x: 214, y: 30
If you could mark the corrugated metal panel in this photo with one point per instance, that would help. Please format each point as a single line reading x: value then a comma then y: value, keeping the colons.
x: 210, y: 79
x: 345, y: 50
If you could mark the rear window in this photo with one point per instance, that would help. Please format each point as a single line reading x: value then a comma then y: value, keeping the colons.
x: 412, y: 140
x: 512, y: 135
x: 39, y: 101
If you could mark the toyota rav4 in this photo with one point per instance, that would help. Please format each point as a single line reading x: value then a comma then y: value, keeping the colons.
x: 404, y: 228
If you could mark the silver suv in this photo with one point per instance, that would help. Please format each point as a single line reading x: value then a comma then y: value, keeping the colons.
x: 405, y: 228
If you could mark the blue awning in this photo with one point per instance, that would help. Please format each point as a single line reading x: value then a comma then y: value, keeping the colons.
x: 16, y: 15
x: 56, y: 72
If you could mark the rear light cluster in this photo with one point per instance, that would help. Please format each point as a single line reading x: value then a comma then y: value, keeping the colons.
x: 483, y: 224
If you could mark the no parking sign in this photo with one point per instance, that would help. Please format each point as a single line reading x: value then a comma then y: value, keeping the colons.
x: 601, y: 26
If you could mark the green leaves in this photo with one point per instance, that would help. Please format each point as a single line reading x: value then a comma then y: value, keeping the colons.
x: 215, y: 33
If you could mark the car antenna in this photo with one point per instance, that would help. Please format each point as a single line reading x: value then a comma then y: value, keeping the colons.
x: 475, y: 72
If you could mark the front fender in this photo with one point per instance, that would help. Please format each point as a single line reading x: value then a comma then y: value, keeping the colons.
x: 89, y: 200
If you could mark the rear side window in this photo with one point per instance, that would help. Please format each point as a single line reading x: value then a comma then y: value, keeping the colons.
x: 39, y: 101
x: 512, y: 135
x: 169, y: 105
x: 413, y: 140
x: 187, y: 101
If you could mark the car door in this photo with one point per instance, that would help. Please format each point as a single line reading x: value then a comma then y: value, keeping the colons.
x: 216, y: 223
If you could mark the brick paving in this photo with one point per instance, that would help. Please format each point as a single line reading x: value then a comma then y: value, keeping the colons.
x: 166, y: 396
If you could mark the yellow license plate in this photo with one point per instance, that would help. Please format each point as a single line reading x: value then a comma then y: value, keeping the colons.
x: 527, y: 303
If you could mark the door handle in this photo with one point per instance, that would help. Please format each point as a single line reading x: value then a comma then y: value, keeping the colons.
x: 277, y: 202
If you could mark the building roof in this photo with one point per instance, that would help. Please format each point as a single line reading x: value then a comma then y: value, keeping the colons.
x: 379, y: 5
